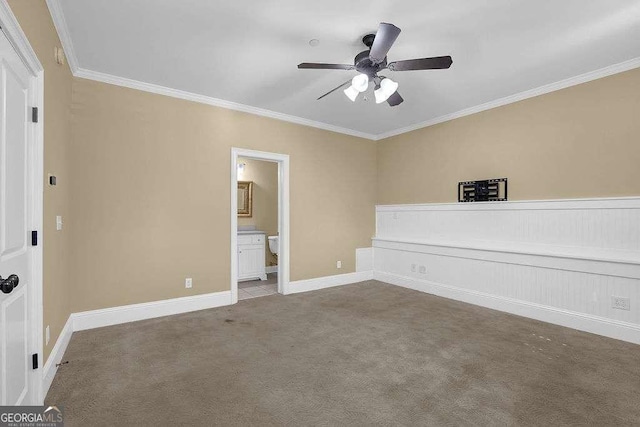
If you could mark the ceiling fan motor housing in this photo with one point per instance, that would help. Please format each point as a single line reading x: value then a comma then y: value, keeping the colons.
x: 365, y: 66
x: 374, y: 60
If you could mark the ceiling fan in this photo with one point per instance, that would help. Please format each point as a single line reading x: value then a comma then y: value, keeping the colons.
x: 370, y: 62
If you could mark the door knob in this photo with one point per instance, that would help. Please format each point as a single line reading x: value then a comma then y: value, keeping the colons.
x: 7, y: 285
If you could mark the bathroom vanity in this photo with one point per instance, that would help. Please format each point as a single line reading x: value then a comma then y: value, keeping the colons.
x: 251, y: 255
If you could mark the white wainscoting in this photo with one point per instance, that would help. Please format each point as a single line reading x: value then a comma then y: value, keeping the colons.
x: 559, y: 261
x: 364, y: 259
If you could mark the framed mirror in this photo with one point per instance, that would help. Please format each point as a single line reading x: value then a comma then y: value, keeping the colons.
x: 245, y: 199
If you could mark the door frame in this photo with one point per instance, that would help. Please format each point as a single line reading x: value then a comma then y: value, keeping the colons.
x: 35, y: 134
x: 283, y: 216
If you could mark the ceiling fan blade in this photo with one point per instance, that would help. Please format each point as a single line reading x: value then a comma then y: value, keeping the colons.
x: 436, y: 63
x: 395, y: 99
x: 333, y: 90
x: 385, y: 37
x: 315, y: 66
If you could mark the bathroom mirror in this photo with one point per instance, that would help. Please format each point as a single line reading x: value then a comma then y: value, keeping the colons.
x: 245, y: 198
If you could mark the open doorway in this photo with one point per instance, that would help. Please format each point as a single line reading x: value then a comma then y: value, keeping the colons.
x: 259, y: 224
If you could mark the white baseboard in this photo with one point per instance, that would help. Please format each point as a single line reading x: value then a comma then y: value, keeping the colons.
x: 584, y: 322
x: 148, y: 310
x: 271, y: 269
x: 124, y: 314
x: 56, y: 355
x: 328, y: 282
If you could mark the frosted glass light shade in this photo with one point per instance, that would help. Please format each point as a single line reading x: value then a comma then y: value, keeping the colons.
x: 380, y: 96
x: 360, y: 82
x: 386, y: 89
x: 351, y: 93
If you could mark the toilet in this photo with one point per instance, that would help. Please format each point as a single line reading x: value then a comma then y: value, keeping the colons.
x: 273, y: 245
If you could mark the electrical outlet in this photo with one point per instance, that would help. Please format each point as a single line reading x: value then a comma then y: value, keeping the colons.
x: 188, y: 283
x: 58, y: 222
x: 47, y: 335
x: 413, y: 268
x: 620, y: 303
x: 339, y: 264
x: 422, y: 270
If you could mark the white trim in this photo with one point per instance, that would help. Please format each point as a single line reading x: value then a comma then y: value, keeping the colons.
x: 37, y: 269
x: 531, y: 93
x: 328, y: 282
x: 271, y: 269
x: 18, y: 39
x: 283, y: 215
x: 551, y: 204
x: 606, y: 262
x: 216, y: 102
x: 63, y: 32
x: 57, y: 353
x: 148, y: 310
x: 584, y: 322
x: 59, y: 21
x: 189, y: 96
x: 12, y: 30
x: 62, y: 28
x: 65, y: 38
x: 364, y: 259
x: 125, y: 314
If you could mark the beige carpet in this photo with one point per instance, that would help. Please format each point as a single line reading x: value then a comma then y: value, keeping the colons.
x: 363, y: 354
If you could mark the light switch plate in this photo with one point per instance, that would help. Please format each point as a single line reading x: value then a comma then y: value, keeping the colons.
x: 58, y: 223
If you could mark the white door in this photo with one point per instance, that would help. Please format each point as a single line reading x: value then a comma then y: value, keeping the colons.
x: 15, y: 220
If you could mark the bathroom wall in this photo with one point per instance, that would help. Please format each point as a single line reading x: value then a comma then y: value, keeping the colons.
x: 264, y: 176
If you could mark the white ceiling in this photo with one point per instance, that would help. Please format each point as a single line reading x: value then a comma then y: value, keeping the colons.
x: 247, y: 51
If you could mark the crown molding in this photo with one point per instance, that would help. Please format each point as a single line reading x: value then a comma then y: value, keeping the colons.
x: 60, y: 23
x: 216, y: 102
x: 65, y: 38
x: 552, y: 87
x: 12, y: 30
x: 175, y: 93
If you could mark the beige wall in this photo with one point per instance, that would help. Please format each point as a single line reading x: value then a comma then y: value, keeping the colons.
x: 264, y: 176
x: 583, y: 141
x: 35, y: 20
x: 151, y: 195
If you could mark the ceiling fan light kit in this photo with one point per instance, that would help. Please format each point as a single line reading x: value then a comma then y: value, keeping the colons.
x: 359, y: 84
x: 386, y: 88
x: 370, y: 62
x: 352, y: 93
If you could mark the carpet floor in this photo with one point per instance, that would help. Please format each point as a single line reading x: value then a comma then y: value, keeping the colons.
x: 362, y: 354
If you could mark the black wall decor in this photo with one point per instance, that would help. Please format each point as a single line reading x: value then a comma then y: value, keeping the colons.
x: 488, y: 190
